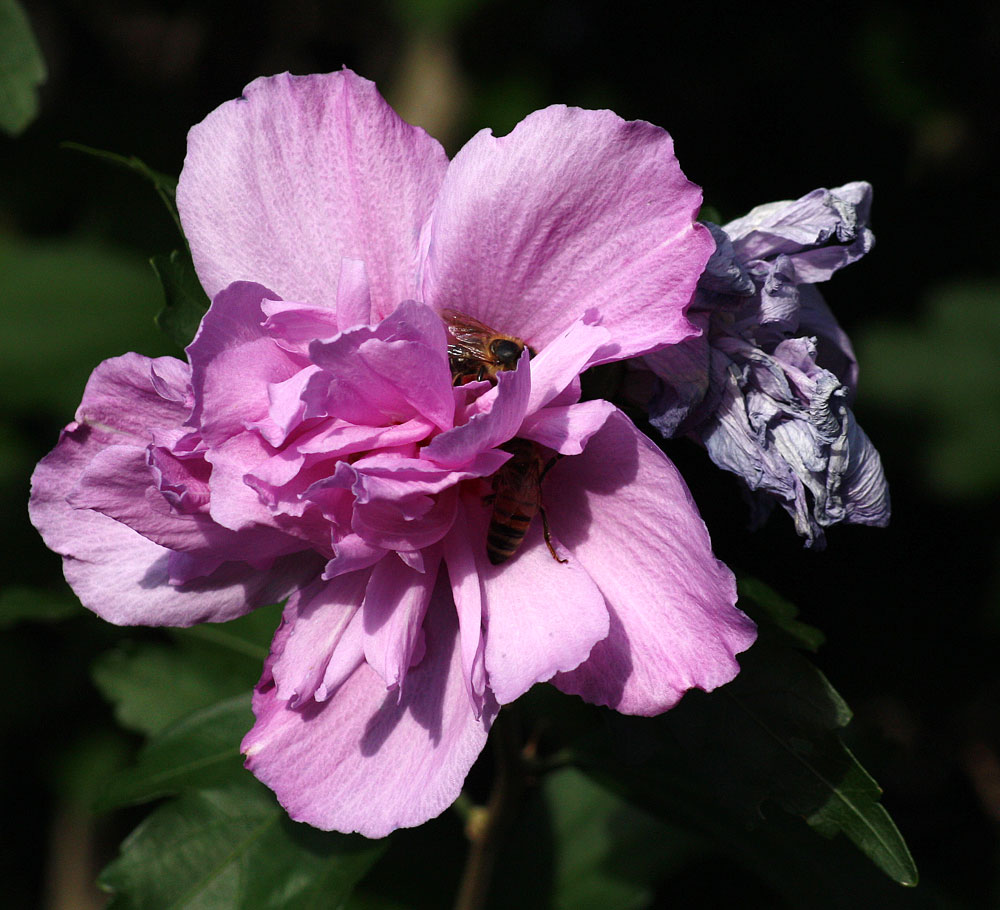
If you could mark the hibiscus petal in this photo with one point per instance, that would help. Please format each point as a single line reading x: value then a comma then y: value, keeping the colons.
x: 233, y: 362
x: 118, y: 482
x: 541, y: 616
x: 458, y: 447
x: 567, y: 429
x: 373, y: 370
x: 299, y: 173
x: 316, y: 618
x: 468, y: 597
x: 622, y: 510
x: 395, y: 603
x: 125, y: 578
x: 363, y: 762
x: 124, y: 399
x: 574, y: 209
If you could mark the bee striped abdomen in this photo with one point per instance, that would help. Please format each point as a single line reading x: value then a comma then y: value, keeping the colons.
x: 509, y: 524
x: 516, y: 500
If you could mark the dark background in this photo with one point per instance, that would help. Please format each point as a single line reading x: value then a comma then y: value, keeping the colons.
x: 762, y: 106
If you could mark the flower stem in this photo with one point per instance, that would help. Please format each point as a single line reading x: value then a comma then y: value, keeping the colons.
x: 487, y: 833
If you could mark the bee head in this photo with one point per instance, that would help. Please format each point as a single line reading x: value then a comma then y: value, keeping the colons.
x: 506, y: 352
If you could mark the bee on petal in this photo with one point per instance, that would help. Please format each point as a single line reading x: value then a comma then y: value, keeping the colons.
x: 477, y: 352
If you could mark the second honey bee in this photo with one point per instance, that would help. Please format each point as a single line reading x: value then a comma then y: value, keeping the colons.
x: 477, y: 352
x: 517, y: 498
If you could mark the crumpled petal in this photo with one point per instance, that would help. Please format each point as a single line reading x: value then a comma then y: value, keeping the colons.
x: 364, y: 761
x: 573, y: 209
x: 623, y: 511
x: 300, y: 172
x: 820, y: 232
x: 784, y: 427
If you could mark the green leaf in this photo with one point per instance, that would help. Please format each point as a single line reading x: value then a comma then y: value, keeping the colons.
x: 153, y: 685
x: 249, y: 635
x: 770, y: 736
x: 22, y: 69
x: 234, y: 848
x: 780, y: 613
x: 580, y: 846
x: 68, y: 304
x: 201, y: 750
x: 185, y: 301
x: 23, y: 604
x: 164, y: 185
x: 938, y: 368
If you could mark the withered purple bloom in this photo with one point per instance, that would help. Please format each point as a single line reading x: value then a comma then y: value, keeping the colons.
x: 767, y: 386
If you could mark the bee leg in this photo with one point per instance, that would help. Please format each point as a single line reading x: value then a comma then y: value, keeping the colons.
x: 548, y: 465
x: 548, y: 534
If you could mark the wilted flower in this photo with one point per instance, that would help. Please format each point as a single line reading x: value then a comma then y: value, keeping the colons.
x: 766, y: 387
x: 315, y: 447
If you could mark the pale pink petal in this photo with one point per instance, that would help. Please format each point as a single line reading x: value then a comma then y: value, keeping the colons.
x: 233, y: 361
x: 118, y: 482
x: 350, y: 554
x: 354, y: 296
x: 541, y: 616
x: 623, y: 511
x: 294, y: 326
x: 567, y: 429
x: 364, y: 761
x: 573, y: 209
x: 459, y: 446
x: 124, y: 400
x: 395, y: 602
x: 316, y: 618
x: 372, y: 371
x: 347, y: 656
x: 125, y: 578
x: 286, y: 408
x: 468, y: 597
x: 299, y: 173
x: 563, y: 360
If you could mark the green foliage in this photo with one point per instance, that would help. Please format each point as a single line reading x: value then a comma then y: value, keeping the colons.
x: 939, y: 368
x: 185, y: 302
x: 201, y: 750
x: 719, y: 760
x: 233, y: 846
x: 22, y: 69
x: 68, y: 304
x: 19, y: 603
x: 164, y: 185
x: 781, y: 614
x: 154, y: 685
x: 580, y: 846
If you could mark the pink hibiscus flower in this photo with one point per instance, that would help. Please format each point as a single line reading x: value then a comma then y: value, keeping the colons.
x: 315, y: 447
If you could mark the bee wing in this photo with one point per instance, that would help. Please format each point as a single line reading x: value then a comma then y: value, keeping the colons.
x: 470, y: 333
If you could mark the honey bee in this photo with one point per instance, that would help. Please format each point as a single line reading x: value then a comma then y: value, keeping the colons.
x: 477, y: 352
x: 517, y: 497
